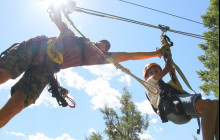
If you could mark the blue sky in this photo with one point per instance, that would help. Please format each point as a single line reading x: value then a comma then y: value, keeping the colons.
x: 93, y: 87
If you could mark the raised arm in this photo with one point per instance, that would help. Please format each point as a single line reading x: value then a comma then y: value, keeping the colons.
x: 168, y: 67
x: 56, y: 17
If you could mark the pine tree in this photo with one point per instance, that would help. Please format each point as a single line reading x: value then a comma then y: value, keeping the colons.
x: 211, y: 57
x: 129, y: 125
x: 95, y: 136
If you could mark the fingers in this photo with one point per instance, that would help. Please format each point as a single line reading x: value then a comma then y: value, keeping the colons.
x: 164, y: 48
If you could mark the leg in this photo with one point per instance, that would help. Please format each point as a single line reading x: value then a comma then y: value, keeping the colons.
x: 14, y: 105
x: 209, y: 111
x: 217, y: 123
x: 4, y: 76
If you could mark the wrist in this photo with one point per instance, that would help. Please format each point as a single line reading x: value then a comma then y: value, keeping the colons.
x: 158, y: 53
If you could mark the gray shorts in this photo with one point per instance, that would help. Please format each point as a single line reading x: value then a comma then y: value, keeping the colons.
x: 188, y: 102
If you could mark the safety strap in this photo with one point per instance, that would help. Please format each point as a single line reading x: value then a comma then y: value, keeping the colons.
x: 166, y: 40
x: 183, y: 77
x: 53, y: 52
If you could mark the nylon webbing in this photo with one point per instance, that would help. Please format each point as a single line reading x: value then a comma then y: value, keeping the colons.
x: 164, y: 41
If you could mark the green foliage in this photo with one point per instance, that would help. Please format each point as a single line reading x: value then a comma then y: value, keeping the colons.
x: 95, y: 136
x: 129, y: 125
x: 210, y: 59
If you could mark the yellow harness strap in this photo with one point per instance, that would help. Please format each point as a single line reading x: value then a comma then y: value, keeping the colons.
x: 177, y: 87
x: 53, y: 52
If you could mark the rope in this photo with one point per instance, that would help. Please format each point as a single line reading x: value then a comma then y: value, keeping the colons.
x: 101, y: 14
x: 161, y: 11
x: 116, y: 64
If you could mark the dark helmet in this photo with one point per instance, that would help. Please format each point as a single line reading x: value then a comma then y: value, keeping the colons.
x: 108, y: 45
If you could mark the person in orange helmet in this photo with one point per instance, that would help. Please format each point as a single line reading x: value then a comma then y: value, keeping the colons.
x: 177, y: 106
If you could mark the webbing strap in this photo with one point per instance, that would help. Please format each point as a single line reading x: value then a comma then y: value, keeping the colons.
x: 183, y: 76
x: 165, y: 40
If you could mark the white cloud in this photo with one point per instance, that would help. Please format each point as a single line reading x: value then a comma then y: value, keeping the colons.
x: 41, y: 136
x: 72, y: 79
x: 145, y: 107
x: 7, y: 85
x: 17, y: 134
x: 102, y: 94
x: 125, y: 79
x: 154, y: 121
x: 99, y: 89
x: 158, y: 130
x: 92, y: 131
x: 14, y: 133
x: 106, y: 71
x: 146, y: 136
x: 46, y: 99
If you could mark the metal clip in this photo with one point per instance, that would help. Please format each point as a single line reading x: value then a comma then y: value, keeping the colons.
x: 164, y: 29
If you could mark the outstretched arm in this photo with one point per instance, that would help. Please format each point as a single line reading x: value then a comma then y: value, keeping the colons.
x: 125, y: 56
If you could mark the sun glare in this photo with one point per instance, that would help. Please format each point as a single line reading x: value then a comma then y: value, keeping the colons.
x: 68, y: 4
x: 55, y: 3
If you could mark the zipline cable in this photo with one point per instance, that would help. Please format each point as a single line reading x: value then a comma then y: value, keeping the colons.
x: 101, y: 14
x: 161, y: 11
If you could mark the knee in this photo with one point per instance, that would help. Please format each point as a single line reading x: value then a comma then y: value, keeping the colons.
x: 210, y: 106
x: 4, y: 76
x: 18, y: 108
x: 206, y: 106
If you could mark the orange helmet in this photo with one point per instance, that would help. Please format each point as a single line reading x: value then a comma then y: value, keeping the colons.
x: 147, y: 67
